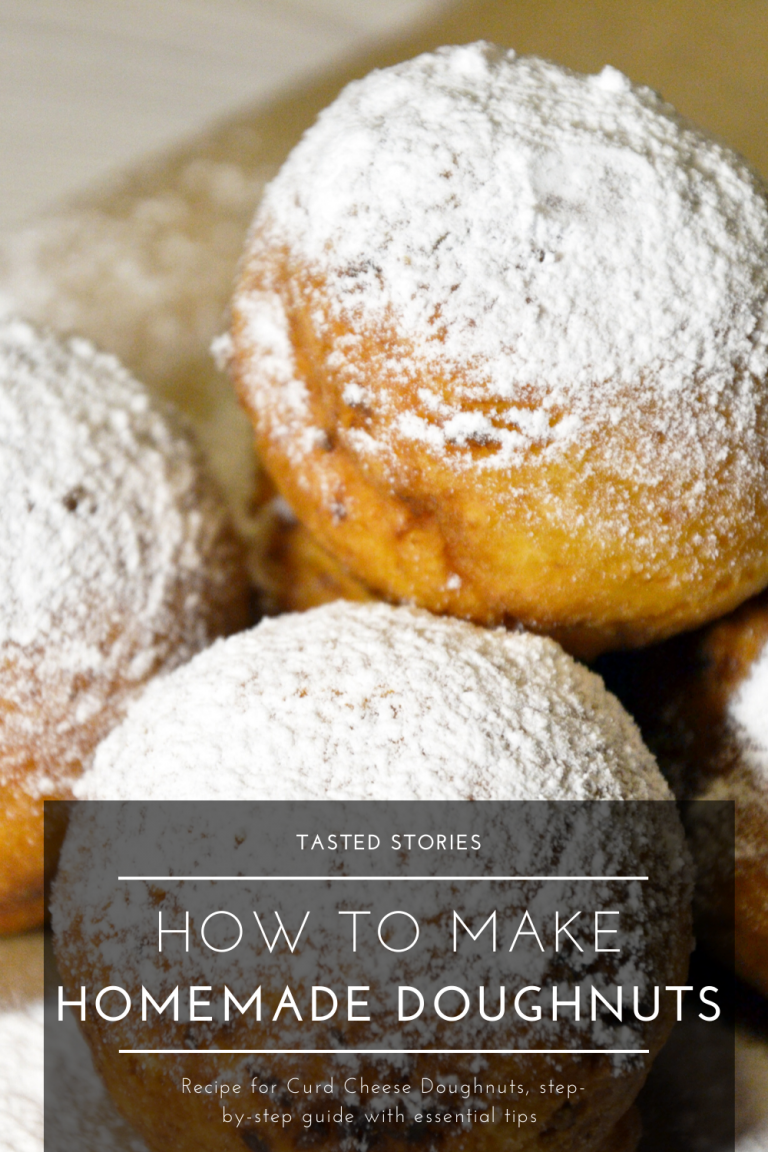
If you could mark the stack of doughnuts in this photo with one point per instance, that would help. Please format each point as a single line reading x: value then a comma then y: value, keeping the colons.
x: 502, y: 330
x: 503, y: 334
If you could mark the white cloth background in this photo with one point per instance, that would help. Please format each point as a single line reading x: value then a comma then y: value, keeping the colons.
x: 87, y: 86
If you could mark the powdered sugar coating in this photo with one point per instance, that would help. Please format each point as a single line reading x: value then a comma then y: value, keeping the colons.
x: 557, y: 238
x: 748, y: 714
x: 21, y: 1078
x: 116, y: 557
x: 85, y: 1115
x: 143, y: 267
x: 366, y: 701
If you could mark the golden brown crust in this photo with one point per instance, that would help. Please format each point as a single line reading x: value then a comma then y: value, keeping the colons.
x: 527, y: 543
x: 21, y: 861
x: 29, y: 849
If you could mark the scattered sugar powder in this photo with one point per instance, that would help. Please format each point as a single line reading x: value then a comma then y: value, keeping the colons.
x: 564, y: 253
x: 748, y: 711
x: 367, y: 701
x: 86, y: 1120
x: 21, y: 1078
x: 143, y: 267
x: 114, y: 552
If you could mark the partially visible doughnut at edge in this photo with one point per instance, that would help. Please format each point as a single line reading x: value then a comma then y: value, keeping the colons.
x: 117, y: 562
x: 702, y: 702
x: 502, y: 331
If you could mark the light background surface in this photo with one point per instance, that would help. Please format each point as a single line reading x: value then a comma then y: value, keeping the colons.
x: 88, y: 85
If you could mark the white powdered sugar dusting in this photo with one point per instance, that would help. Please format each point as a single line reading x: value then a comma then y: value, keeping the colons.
x: 85, y: 1115
x: 748, y: 712
x: 21, y: 1078
x: 367, y: 701
x: 115, y: 553
x: 563, y: 253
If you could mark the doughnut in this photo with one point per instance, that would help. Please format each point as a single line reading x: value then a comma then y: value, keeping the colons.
x: 117, y: 561
x: 702, y: 701
x: 359, y: 701
x: 502, y: 330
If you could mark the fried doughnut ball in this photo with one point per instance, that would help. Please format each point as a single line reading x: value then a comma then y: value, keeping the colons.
x: 369, y: 702
x: 502, y: 330
x: 117, y: 561
x: 702, y: 701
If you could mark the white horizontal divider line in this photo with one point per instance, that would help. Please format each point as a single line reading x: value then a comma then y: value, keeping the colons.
x: 383, y: 1051
x: 463, y: 879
